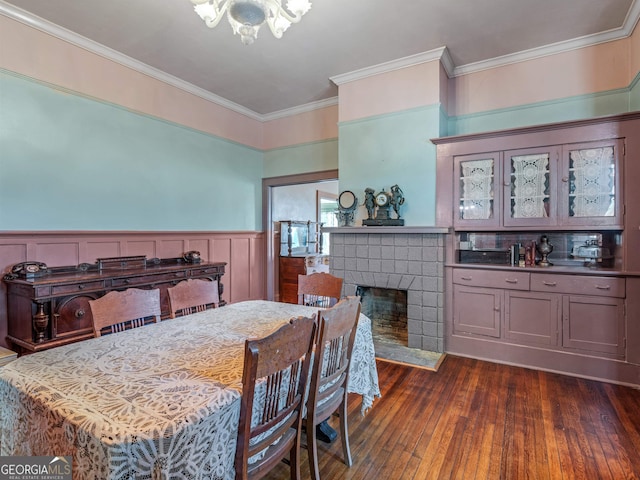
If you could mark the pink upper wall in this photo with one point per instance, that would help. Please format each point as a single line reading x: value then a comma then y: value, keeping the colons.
x: 394, y: 91
x: 313, y: 126
x: 577, y: 72
x: 444, y: 88
x: 634, y: 52
x: 30, y: 52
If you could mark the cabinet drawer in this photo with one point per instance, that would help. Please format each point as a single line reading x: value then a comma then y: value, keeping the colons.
x: 197, y: 272
x: 148, y: 279
x: 579, y: 285
x: 77, y: 287
x: 491, y: 278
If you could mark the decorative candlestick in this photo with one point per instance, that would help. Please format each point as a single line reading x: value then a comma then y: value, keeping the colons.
x: 40, y: 323
x: 545, y: 248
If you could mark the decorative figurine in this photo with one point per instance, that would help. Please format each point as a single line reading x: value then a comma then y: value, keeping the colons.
x: 545, y: 249
x: 397, y: 199
x: 369, y: 202
x: 382, y: 202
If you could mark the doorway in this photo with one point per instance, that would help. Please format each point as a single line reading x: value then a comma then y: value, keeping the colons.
x: 268, y: 220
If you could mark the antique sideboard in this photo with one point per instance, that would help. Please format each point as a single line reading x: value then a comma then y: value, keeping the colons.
x: 49, y: 307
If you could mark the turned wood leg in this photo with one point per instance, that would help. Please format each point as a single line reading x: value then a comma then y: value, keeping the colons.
x: 344, y: 431
x: 312, y: 448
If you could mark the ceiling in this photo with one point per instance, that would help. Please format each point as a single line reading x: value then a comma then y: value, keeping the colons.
x: 168, y: 40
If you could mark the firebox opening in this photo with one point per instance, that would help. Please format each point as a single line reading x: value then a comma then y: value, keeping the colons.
x: 387, y: 309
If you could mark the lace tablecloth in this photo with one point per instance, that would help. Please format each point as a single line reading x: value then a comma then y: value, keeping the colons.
x: 161, y: 401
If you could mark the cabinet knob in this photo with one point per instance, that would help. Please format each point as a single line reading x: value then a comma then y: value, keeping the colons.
x: 127, y: 281
x: 506, y: 184
x: 565, y: 179
x: 549, y: 284
x: 603, y: 287
x: 466, y: 278
x: 509, y: 280
x: 81, y: 287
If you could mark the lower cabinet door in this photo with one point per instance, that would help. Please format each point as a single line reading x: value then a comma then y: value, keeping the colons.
x: 532, y: 317
x: 477, y: 310
x: 593, y: 324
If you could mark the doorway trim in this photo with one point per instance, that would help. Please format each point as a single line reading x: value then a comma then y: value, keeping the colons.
x: 267, y: 221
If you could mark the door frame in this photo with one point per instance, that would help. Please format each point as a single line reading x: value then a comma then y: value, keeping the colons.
x: 267, y: 220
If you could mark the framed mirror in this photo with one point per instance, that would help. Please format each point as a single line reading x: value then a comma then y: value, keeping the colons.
x: 347, y: 200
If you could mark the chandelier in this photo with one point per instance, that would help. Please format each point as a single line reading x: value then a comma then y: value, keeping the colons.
x: 247, y: 16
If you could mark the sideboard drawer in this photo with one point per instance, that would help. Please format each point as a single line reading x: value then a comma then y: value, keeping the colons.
x: 147, y: 279
x: 77, y: 287
x: 491, y: 278
x: 579, y: 285
x: 196, y: 272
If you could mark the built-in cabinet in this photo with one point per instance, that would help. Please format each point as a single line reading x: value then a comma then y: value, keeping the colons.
x: 571, y: 182
x: 558, y: 186
x: 572, y: 313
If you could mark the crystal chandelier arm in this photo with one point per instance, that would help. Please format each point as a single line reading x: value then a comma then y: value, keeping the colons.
x: 297, y: 7
x: 279, y: 18
x: 211, y: 11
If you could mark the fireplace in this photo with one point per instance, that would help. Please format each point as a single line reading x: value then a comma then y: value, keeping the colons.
x: 387, y: 309
x: 407, y: 259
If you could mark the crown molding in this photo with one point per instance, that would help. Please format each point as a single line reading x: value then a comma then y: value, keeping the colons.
x: 307, y: 107
x: 411, y: 60
x: 555, y: 48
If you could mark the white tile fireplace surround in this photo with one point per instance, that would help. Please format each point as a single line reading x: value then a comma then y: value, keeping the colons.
x: 403, y: 258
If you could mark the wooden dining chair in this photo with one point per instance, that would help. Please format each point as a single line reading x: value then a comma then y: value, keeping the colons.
x: 274, y: 381
x: 193, y: 295
x: 330, y: 375
x: 319, y: 289
x: 121, y: 310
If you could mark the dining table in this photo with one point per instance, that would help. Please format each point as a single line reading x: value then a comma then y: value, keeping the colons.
x: 157, y: 402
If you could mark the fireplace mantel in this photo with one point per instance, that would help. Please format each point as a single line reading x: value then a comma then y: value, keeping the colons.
x: 391, y: 230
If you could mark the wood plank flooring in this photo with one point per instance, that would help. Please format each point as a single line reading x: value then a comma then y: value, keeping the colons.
x: 480, y: 420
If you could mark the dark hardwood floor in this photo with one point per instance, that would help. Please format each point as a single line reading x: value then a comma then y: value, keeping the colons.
x: 480, y: 420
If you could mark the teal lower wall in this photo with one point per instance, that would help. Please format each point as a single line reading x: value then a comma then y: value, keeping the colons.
x: 304, y: 158
x: 68, y: 162
x: 72, y: 163
x: 385, y: 150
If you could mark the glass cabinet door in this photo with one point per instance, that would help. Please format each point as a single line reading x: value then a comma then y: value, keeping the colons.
x: 530, y: 188
x: 475, y: 190
x: 591, y: 183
